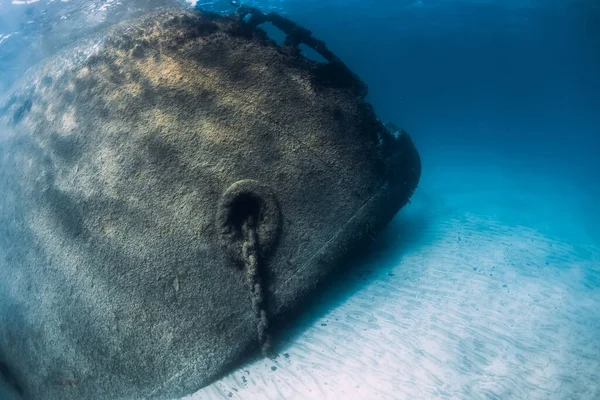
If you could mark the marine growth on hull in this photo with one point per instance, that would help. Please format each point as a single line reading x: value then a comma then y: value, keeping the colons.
x: 176, y: 189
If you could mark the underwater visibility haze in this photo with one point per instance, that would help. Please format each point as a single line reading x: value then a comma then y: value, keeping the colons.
x: 392, y: 199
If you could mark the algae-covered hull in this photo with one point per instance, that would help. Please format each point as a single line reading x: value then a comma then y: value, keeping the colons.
x: 175, y: 189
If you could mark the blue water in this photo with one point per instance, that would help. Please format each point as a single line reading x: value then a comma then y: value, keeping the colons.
x: 487, y: 286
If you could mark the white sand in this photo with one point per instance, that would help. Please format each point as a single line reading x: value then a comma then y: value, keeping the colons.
x: 486, y: 287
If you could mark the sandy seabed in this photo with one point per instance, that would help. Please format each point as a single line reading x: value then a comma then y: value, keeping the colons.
x: 487, y: 286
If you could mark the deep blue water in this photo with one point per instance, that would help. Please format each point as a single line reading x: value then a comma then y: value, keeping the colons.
x: 517, y: 78
x: 488, y: 284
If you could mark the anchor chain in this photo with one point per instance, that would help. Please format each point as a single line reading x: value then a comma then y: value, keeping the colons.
x: 253, y: 280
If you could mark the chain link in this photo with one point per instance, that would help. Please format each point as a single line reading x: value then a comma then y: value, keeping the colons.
x: 250, y: 257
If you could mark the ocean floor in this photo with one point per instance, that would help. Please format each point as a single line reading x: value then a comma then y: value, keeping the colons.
x: 487, y: 286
